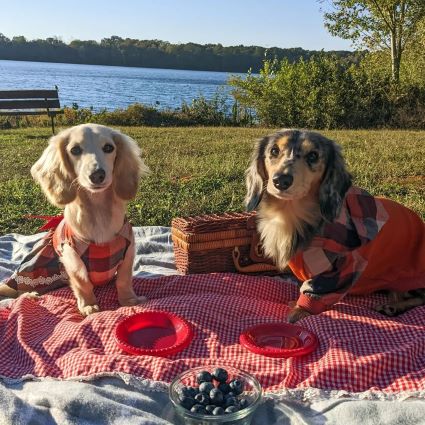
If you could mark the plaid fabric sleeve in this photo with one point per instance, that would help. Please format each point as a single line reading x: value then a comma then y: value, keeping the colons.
x: 366, y: 213
x: 325, y: 289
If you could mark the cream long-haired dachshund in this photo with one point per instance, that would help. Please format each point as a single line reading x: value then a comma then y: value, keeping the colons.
x: 92, y: 171
x: 335, y: 237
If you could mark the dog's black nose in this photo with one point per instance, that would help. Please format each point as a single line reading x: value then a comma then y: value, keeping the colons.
x: 97, y: 176
x: 282, y: 181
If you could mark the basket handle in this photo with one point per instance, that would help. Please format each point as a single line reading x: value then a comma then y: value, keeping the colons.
x: 252, y: 268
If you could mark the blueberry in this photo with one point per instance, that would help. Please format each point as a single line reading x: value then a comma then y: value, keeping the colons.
x: 193, y: 391
x: 236, y: 386
x: 230, y: 394
x: 243, y: 402
x: 230, y: 409
x: 218, y: 411
x: 224, y: 388
x: 189, y: 391
x: 206, y: 387
x: 230, y: 401
x: 203, y: 376
x: 216, y: 396
x: 186, y: 402
x: 220, y: 374
x: 198, y: 408
x: 202, y: 398
x: 210, y: 408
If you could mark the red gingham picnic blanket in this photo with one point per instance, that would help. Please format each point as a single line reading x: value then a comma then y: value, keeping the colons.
x: 358, y: 350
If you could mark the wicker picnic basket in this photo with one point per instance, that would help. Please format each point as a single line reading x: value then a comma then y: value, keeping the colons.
x: 218, y: 243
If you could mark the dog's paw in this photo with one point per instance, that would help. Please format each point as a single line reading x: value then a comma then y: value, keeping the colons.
x: 297, y: 313
x: 292, y: 304
x: 387, y: 310
x: 31, y: 295
x: 130, y: 301
x: 89, y: 309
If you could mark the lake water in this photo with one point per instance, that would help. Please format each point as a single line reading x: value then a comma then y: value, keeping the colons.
x: 113, y: 87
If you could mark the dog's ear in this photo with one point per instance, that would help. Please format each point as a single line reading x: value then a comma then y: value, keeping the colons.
x: 256, y: 175
x: 54, y: 171
x: 335, y: 183
x: 129, y: 166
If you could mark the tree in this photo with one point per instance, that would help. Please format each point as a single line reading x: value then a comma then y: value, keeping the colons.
x: 413, y: 66
x: 377, y: 24
x: 19, y: 39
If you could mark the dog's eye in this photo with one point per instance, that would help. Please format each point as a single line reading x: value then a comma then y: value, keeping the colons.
x: 76, y: 150
x: 274, y: 151
x: 312, y: 157
x: 108, y: 148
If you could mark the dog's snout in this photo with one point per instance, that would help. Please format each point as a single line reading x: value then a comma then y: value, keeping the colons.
x: 282, y: 181
x: 98, y: 176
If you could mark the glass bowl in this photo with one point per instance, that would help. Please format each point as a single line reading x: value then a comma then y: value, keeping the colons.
x: 252, y: 393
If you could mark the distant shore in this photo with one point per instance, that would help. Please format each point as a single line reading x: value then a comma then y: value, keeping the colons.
x: 119, y: 66
x: 116, y: 51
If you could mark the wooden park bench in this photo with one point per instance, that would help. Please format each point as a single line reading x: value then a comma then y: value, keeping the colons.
x: 30, y: 102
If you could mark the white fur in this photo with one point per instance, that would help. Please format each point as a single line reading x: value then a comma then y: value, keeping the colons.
x: 277, y: 223
x: 94, y: 212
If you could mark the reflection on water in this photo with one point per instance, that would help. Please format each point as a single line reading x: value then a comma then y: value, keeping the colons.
x: 113, y: 87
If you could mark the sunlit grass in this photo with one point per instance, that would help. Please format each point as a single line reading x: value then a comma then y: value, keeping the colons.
x: 201, y: 170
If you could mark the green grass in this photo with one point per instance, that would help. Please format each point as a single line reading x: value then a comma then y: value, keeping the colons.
x: 201, y: 170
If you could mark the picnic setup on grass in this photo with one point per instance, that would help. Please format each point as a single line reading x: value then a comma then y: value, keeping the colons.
x: 212, y: 213
x: 195, y: 323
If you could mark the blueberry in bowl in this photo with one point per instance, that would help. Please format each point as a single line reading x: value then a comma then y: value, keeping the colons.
x: 215, y: 395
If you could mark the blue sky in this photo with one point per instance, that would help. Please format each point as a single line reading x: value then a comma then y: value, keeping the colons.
x: 268, y: 23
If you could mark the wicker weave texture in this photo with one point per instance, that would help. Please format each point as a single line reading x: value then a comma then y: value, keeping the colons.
x: 190, y: 238
x: 212, y: 222
x: 204, y: 244
x: 209, y: 261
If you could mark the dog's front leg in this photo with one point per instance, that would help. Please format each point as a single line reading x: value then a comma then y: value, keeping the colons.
x: 79, y: 281
x: 297, y: 313
x: 126, y: 295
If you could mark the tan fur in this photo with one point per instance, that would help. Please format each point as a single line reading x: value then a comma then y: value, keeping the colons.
x: 289, y: 161
x: 54, y: 172
x: 402, y: 302
x: 95, y: 212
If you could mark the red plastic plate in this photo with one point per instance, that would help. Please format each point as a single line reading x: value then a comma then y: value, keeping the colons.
x: 279, y: 340
x: 153, y: 333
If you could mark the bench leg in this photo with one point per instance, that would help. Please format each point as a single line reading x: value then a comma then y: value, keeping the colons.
x: 53, y: 124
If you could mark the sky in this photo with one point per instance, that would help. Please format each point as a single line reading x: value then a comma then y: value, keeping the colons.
x: 267, y: 23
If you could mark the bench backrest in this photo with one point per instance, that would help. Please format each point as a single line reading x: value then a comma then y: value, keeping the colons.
x: 28, y: 100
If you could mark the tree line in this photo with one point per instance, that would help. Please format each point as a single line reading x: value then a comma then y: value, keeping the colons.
x: 119, y: 51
